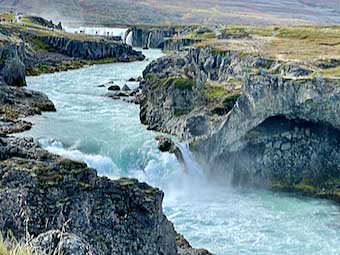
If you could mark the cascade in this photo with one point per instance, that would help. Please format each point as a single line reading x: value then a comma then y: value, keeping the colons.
x: 129, y: 38
x: 148, y: 42
x: 102, y: 31
x: 192, y: 168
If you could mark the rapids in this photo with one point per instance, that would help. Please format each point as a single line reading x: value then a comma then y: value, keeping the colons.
x: 108, y: 136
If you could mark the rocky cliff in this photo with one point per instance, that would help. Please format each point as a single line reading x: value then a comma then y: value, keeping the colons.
x: 42, y: 194
x: 151, y: 37
x: 12, y: 68
x: 61, y: 206
x: 250, y: 120
x: 42, y: 49
x: 159, y: 37
x: 92, y: 49
x: 183, y: 91
x: 177, y: 44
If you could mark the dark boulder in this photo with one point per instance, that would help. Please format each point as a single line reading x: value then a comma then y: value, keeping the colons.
x: 114, y: 88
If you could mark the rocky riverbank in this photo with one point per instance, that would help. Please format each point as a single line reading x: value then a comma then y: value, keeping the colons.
x: 46, y: 50
x: 250, y: 120
x: 61, y: 206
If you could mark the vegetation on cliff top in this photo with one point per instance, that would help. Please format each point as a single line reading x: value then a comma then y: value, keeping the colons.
x: 286, y: 43
x: 180, y: 83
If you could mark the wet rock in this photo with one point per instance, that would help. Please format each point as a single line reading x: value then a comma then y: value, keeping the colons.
x: 115, y: 97
x: 114, y: 88
x: 126, y: 88
x: 165, y: 144
x: 122, y: 94
x: 184, y: 247
x: 132, y: 79
x: 101, y: 86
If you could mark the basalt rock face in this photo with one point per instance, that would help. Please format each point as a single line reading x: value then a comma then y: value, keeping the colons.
x: 282, y: 133
x: 15, y: 101
x: 156, y: 37
x: 175, y: 44
x: 92, y: 50
x: 62, y: 205
x: 18, y: 103
x: 185, y: 110
x: 151, y: 37
x: 44, y: 192
x: 12, y: 68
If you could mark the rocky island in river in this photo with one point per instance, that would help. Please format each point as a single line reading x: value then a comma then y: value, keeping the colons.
x: 257, y: 106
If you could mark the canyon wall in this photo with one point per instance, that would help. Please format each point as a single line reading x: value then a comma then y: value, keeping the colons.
x: 249, y: 120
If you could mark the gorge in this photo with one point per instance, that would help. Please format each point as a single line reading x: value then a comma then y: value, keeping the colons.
x: 248, y: 127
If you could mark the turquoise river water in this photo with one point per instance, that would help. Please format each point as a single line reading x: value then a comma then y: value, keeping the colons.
x: 108, y: 136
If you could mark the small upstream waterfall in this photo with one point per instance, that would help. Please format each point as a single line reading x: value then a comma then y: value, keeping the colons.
x: 102, y: 31
x: 148, y: 42
x: 128, y: 39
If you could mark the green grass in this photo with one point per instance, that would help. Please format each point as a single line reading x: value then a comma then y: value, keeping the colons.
x: 183, y: 84
x: 39, y: 45
x: 330, y: 73
x: 13, y: 247
x: 211, y: 92
x: 230, y: 100
x: 178, y: 83
x: 305, y: 187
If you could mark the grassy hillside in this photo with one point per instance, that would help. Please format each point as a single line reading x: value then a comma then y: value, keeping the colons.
x: 181, y: 11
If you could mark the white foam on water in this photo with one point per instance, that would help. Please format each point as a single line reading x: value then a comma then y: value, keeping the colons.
x: 104, y: 165
x: 108, y: 136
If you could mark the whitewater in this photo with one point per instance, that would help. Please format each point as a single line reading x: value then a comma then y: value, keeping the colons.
x: 108, y: 136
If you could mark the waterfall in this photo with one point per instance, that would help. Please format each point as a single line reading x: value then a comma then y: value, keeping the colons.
x: 129, y: 38
x: 148, y: 42
x: 102, y: 31
x: 191, y: 167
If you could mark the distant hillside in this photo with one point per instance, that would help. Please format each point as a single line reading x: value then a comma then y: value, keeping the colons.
x: 181, y: 11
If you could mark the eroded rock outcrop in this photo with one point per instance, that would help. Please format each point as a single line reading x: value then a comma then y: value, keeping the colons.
x: 15, y: 101
x: 92, y: 50
x: 151, y: 37
x: 45, y: 192
x: 282, y: 133
x: 281, y: 130
x: 62, y: 206
x: 12, y: 68
x: 183, y: 91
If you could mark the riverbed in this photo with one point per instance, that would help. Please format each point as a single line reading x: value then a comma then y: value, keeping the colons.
x: 108, y: 136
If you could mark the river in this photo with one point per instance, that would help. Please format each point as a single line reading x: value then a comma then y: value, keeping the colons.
x: 108, y: 136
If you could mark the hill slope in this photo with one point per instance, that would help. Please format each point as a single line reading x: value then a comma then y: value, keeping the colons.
x: 181, y: 11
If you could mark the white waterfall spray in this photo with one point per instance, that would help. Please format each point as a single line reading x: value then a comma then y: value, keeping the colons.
x: 128, y: 39
x: 192, y: 168
x: 101, y: 31
x: 148, y: 43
